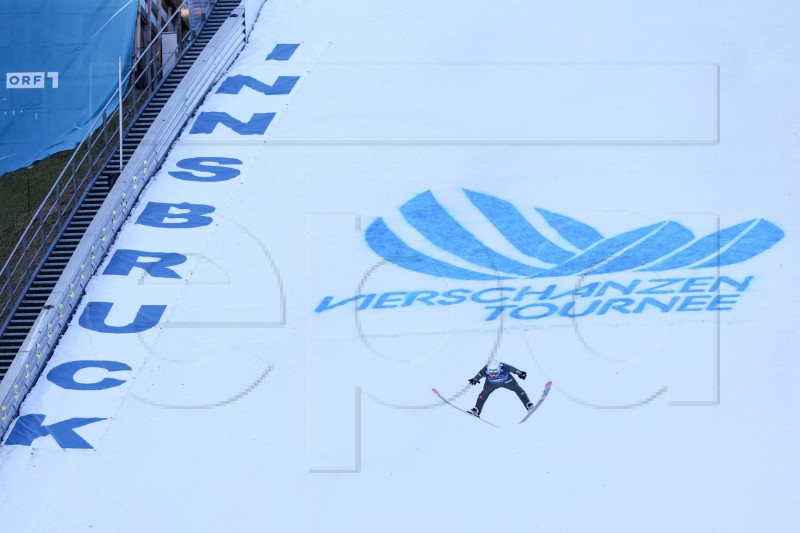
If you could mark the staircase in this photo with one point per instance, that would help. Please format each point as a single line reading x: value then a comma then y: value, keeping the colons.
x: 32, y: 301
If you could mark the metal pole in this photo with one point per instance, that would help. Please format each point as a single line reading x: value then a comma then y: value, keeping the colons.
x: 120, y: 112
x: 149, y: 40
x: 105, y: 134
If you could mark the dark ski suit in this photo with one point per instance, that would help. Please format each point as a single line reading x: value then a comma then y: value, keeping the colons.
x: 504, y: 380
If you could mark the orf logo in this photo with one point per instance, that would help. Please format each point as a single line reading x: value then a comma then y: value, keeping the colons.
x: 30, y: 80
x: 663, y: 246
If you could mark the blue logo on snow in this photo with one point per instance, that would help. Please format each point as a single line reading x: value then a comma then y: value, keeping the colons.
x: 663, y: 246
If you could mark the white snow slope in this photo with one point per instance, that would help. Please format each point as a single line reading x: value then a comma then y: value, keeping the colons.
x: 442, y: 183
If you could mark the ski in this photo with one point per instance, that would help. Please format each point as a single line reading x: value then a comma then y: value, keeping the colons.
x: 535, y: 407
x: 445, y: 400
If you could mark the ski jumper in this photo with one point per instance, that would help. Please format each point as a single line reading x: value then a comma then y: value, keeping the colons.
x: 504, y: 380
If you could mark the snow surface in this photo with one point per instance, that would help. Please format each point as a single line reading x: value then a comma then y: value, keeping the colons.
x: 247, y: 410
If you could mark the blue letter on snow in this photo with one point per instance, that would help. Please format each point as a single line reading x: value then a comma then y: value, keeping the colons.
x: 155, y: 214
x: 64, y: 375
x: 95, y: 314
x: 208, y: 120
x: 220, y: 173
x: 123, y: 261
x: 282, y: 52
x: 234, y: 84
x: 30, y: 427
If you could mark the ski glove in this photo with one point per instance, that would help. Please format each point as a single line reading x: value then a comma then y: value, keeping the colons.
x: 522, y: 374
x: 473, y: 381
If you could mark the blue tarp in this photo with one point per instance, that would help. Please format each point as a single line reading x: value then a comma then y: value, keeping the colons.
x: 58, y: 68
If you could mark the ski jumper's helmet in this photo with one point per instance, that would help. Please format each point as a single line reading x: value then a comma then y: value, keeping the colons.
x: 493, y: 369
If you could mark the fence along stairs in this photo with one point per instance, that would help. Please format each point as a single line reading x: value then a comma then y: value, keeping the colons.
x: 39, y: 287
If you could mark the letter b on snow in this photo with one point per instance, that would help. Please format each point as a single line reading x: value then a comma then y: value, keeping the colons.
x: 177, y: 216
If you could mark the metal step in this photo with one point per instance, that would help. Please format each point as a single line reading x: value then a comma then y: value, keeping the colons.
x: 29, y: 307
x: 18, y: 323
x: 15, y: 333
x: 45, y: 284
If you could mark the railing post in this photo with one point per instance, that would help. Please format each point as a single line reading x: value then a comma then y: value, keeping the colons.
x: 90, y: 154
x: 59, y: 200
x: 105, y: 130
x: 119, y: 97
x: 25, y: 254
x: 74, y: 185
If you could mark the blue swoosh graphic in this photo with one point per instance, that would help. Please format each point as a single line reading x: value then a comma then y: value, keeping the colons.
x: 667, y: 239
x: 593, y: 258
x: 663, y: 246
x: 702, y: 248
x: 389, y: 246
x: 428, y: 217
x: 757, y: 239
x: 576, y: 233
x: 514, y: 227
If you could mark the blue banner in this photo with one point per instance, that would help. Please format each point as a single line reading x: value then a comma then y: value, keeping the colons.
x: 58, y: 68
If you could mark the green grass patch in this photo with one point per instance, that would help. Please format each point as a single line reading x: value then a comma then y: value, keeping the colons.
x: 21, y: 193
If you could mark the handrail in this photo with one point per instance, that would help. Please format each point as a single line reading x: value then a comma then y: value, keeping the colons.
x: 46, y: 223
x: 27, y: 366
